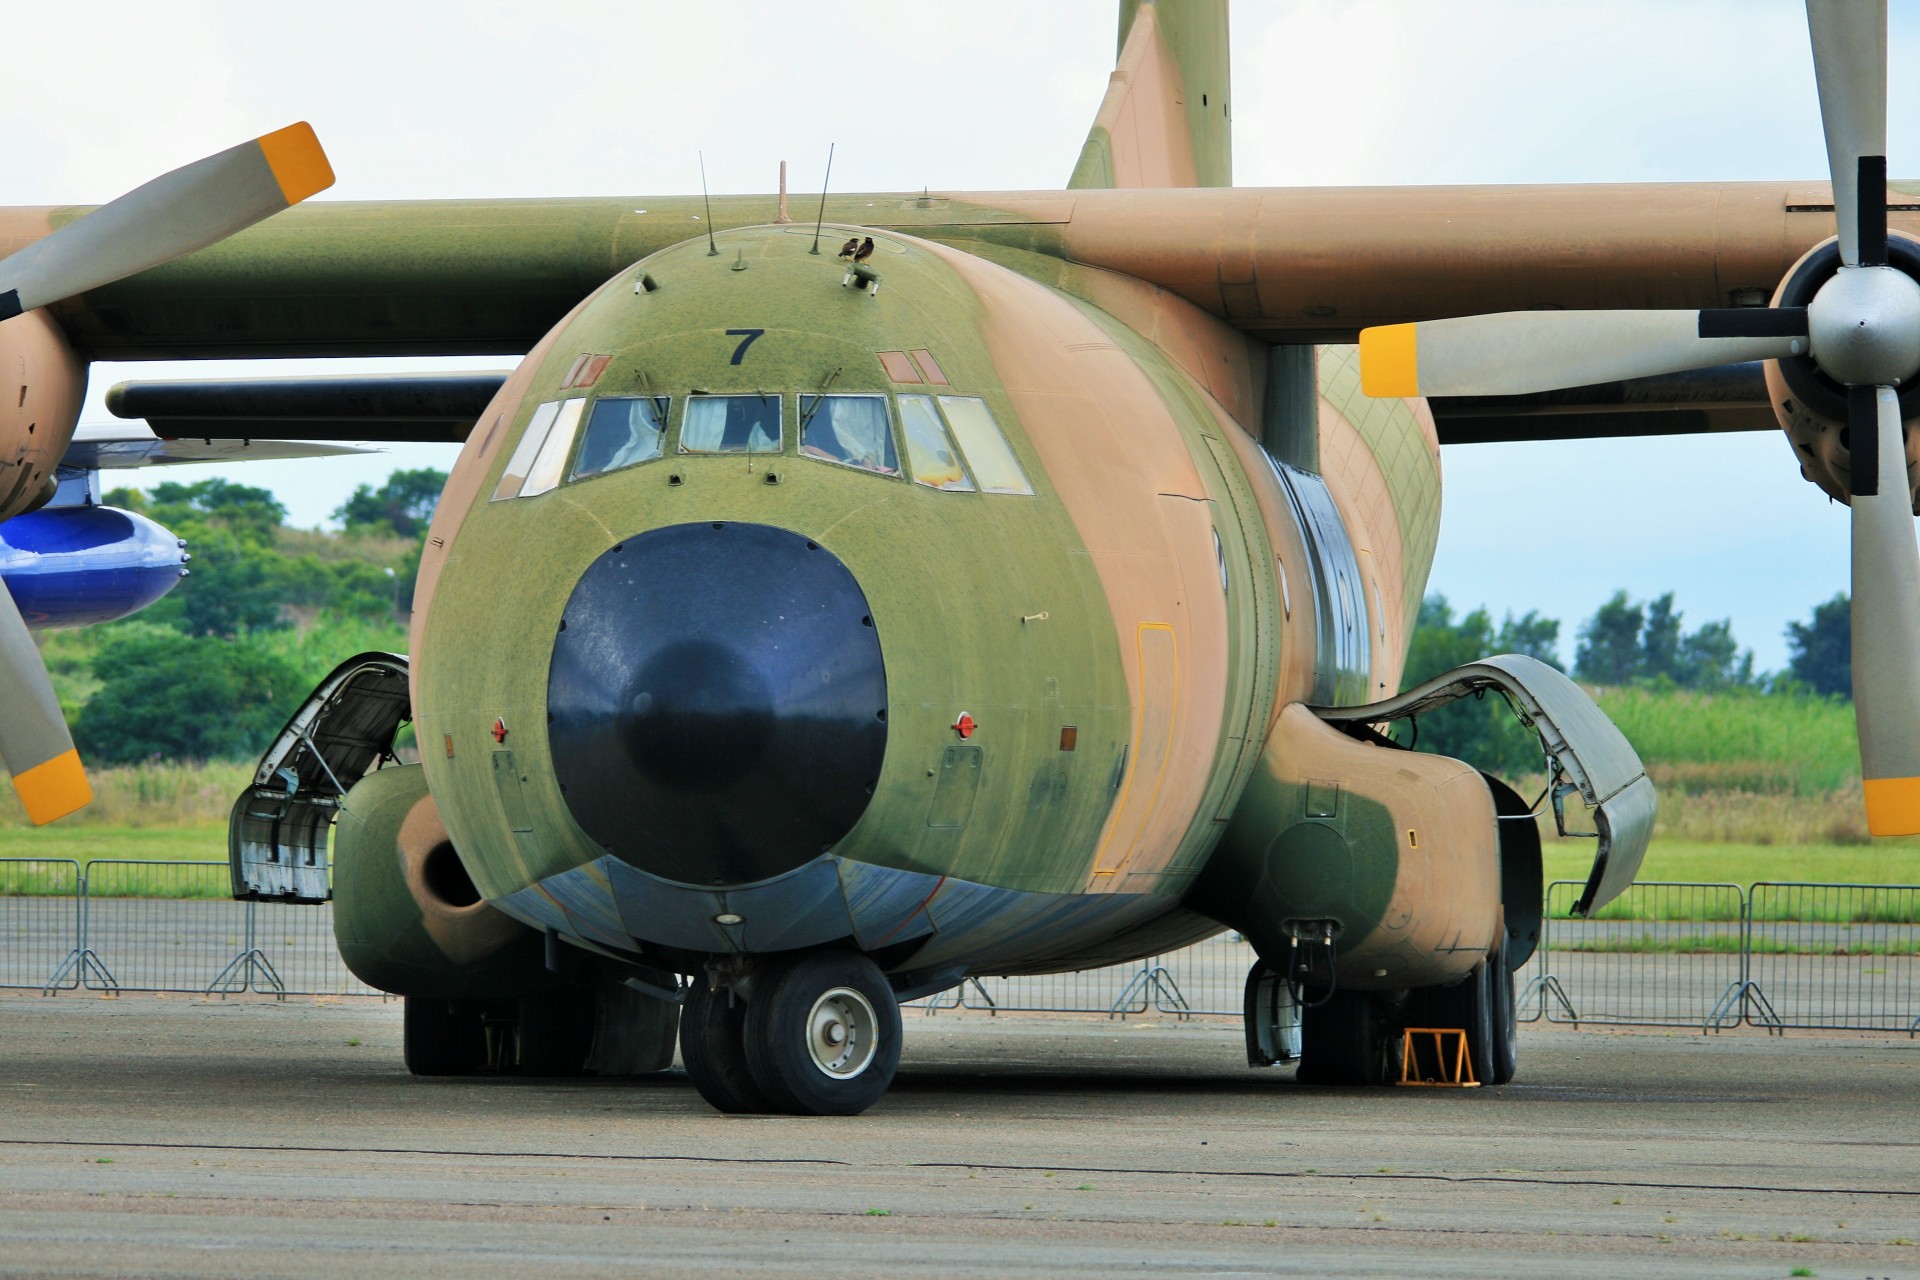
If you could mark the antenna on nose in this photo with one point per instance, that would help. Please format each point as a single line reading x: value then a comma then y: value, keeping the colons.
x: 713, y: 250
x: 815, y: 251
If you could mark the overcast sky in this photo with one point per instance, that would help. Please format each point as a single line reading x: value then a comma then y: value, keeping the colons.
x: 500, y: 99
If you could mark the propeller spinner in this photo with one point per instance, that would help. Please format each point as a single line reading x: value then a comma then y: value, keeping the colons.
x: 173, y: 215
x: 1862, y: 329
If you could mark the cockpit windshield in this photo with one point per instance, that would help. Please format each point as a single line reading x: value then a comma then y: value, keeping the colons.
x: 731, y: 424
x: 851, y: 430
x: 622, y: 431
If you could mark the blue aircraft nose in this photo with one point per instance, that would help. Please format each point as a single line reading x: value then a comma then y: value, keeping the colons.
x: 717, y: 702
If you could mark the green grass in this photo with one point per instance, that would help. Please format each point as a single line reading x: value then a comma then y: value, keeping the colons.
x: 1802, y: 745
x: 1695, y: 861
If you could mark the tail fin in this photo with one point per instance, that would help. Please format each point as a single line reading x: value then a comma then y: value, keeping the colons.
x: 1164, y: 121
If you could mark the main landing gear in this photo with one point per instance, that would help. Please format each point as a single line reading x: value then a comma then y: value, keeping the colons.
x: 603, y: 1029
x: 1353, y: 1037
x: 813, y: 1034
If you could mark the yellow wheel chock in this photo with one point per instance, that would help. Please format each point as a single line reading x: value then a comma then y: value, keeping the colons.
x: 1441, y: 1063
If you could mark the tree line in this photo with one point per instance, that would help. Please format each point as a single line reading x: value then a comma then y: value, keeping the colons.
x: 1625, y: 642
x: 214, y: 668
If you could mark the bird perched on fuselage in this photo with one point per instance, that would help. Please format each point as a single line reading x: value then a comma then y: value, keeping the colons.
x: 851, y: 247
x: 865, y: 250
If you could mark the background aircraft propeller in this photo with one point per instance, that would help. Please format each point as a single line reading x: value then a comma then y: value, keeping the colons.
x: 1862, y: 329
x: 173, y: 215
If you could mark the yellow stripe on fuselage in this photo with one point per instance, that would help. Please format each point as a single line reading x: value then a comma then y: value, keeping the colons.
x: 1388, y: 367
x: 54, y: 788
x: 1893, y: 806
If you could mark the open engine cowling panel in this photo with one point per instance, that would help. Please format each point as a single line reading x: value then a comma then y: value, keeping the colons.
x: 1587, y: 756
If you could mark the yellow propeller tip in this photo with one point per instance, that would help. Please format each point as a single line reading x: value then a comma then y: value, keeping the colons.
x: 1893, y: 806
x: 54, y: 788
x: 1388, y: 367
x: 299, y: 165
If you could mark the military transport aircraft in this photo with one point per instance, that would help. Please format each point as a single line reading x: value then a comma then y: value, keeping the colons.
x: 799, y: 634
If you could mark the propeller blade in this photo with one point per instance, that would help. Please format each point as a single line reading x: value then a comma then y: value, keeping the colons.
x: 1886, y: 613
x: 1518, y: 352
x: 173, y: 215
x: 1850, y: 68
x: 34, y: 743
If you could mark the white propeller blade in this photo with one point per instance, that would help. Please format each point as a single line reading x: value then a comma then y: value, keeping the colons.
x: 1850, y: 68
x: 1514, y: 353
x: 34, y: 744
x: 1886, y: 615
x: 175, y: 214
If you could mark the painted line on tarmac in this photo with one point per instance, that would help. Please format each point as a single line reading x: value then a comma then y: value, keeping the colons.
x: 997, y: 1168
x: 411, y: 1151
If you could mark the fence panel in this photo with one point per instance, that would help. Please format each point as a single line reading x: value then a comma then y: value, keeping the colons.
x: 1663, y: 954
x: 40, y: 943
x: 165, y: 926
x: 295, y: 946
x: 1835, y: 956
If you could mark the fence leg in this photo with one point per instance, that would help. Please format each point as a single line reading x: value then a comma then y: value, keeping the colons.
x: 82, y: 962
x: 241, y: 971
x: 992, y: 1006
x: 1166, y: 989
x: 84, y: 965
x: 1136, y: 989
x: 1548, y: 985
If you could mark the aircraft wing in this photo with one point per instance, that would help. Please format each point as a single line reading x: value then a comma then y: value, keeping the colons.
x: 1305, y: 264
x: 1285, y: 265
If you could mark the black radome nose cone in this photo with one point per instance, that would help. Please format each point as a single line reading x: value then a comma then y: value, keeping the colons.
x: 717, y: 702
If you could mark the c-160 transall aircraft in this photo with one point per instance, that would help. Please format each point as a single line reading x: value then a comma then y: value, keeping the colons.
x: 825, y: 612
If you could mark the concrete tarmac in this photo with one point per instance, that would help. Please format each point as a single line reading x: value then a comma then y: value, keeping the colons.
x: 145, y: 1136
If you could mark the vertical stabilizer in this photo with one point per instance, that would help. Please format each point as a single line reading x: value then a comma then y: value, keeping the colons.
x: 1164, y: 121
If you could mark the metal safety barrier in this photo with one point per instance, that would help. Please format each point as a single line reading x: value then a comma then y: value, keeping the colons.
x: 1667, y: 954
x: 41, y: 941
x: 1663, y: 954
x: 1841, y: 957
x: 133, y: 925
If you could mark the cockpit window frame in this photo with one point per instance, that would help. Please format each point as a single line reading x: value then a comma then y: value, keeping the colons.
x: 965, y: 483
x: 663, y: 407
x: 779, y: 401
x: 804, y: 417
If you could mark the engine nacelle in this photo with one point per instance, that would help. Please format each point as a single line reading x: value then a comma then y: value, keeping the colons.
x: 1391, y: 856
x: 407, y: 918
x: 42, y: 384
x: 75, y: 566
x: 1811, y: 405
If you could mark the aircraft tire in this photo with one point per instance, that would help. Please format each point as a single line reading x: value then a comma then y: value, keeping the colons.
x: 823, y: 1034
x: 556, y: 1031
x: 443, y: 1037
x: 713, y: 1047
x: 1505, y: 1060
x: 1343, y: 1041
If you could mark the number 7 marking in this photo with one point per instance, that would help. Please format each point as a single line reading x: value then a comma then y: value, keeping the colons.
x: 746, y: 337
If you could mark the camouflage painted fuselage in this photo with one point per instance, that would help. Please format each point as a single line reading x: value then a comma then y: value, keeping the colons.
x: 1120, y: 642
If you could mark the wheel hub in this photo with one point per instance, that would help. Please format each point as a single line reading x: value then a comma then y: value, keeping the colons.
x: 841, y: 1033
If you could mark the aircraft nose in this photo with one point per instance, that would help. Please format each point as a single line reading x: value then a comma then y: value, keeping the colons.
x: 717, y: 702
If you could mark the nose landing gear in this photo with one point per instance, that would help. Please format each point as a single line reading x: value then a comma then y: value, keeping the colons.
x: 817, y: 1034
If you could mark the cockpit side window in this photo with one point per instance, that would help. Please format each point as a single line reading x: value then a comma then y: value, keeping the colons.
x: 551, y: 462
x: 930, y: 453
x: 850, y: 430
x: 521, y: 462
x: 986, y: 449
x: 622, y: 431
x: 731, y: 424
